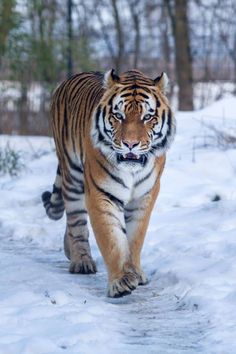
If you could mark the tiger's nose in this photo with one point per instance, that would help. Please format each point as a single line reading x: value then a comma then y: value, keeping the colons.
x: 130, y: 143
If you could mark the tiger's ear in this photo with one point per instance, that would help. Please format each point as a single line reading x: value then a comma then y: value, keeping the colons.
x: 110, y: 78
x: 162, y: 82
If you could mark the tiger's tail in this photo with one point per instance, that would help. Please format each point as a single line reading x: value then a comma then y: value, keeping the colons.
x: 53, y: 202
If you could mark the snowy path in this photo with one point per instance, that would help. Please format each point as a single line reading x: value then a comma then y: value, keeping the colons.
x: 189, y: 306
x: 51, y: 311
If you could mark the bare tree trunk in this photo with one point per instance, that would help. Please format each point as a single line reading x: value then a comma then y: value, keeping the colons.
x: 6, y: 23
x: 183, y: 60
x: 134, y: 6
x: 70, y: 38
x: 23, y: 110
x: 231, y: 52
x: 119, y: 35
x: 104, y: 32
x: 166, y: 47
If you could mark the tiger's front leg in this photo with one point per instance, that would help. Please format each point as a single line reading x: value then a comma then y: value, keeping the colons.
x: 137, y: 216
x: 106, y: 214
x: 76, y: 239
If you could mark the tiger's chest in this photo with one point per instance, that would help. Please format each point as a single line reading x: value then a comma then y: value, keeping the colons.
x: 129, y: 185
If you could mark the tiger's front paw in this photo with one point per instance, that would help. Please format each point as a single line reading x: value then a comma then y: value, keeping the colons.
x: 123, y: 286
x: 84, y: 265
x: 143, y: 279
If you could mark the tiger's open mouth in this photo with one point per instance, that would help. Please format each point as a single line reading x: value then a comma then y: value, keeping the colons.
x: 130, y: 157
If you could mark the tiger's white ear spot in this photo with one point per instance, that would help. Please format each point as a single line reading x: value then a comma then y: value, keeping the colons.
x: 162, y: 82
x: 110, y: 78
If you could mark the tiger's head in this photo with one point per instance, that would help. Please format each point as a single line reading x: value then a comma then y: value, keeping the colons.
x: 133, y: 121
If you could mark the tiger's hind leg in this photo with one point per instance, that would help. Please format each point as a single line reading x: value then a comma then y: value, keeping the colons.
x: 76, y: 240
x: 53, y: 202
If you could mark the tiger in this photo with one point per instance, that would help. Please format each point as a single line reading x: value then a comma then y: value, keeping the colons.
x: 111, y: 134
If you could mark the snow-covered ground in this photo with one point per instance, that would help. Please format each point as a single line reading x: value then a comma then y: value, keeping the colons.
x: 189, y: 306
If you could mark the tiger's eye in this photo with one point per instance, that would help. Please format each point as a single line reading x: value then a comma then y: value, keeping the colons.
x: 118, y: 116
x: 147, y: 117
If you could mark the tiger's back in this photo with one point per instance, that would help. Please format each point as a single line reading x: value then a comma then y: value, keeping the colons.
x: 111, y: 135
x: 72, y: 105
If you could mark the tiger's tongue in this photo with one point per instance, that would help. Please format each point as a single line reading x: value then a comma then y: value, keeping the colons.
x: 131, y: 156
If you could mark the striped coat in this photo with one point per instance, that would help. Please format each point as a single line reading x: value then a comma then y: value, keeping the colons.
x: 111, y: 135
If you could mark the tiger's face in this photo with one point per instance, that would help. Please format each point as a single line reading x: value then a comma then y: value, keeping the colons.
x: 134, y: 119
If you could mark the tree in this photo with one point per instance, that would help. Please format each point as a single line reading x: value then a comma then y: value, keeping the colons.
x: 134, y: 6
x: 69, y: 38
x: 7, y: 23
x: 119, y: 36
x: 178, y: 14
x: 227, y: 30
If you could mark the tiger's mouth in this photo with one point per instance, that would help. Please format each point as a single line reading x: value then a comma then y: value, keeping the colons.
x: 130, y: 157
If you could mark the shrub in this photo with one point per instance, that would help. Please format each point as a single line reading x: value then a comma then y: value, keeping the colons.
x: 10, y: 161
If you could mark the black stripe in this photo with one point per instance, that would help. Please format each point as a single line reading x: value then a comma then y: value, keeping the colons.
x: 115, y: 178
x: 101, y: 137
x: 161, y: 144
x: 69, y: 198
x: 58, y: 170
x: 107, y: 131
x: 89, y: 105
x: 69, y: 179
x: 159, y: 134
x: 111, y: 99
x: 72, y: 165
x: 78, y: 223
x: 163, y: 116
x: 130, y: 210
x: 80, y: 238
x: 77, y: 87
x: 55, y: 204
x: 143, y: 95
x: 65, y: 121
x: 164, y: 141
x: 73, y: 190
x: 54, y: 210
x: 128, y: 218
x: 76, y: 212
x: 104, y: 125
x: 104, y: 111
x: 97, y: 118
x: 57, y: 211
x: 75, y: 179
x: 134, y: 87
x: 169, y: 122
x: 152, y: 186
x: 119, y: 203
x: 56, y: 190
x: 108, y: 213
x: 144, y: 178
x: 128, y: 94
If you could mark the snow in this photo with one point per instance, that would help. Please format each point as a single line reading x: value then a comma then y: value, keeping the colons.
x: 11, y: 92
x: 189, y: 305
